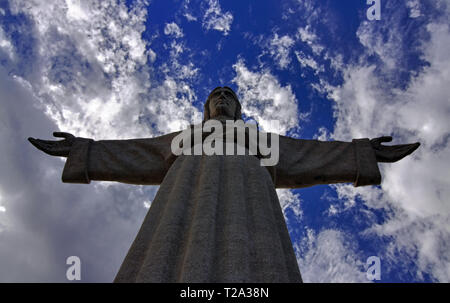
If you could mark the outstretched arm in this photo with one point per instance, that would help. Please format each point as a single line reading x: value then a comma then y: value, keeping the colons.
x: 309, y: 162
x: 136, y: 161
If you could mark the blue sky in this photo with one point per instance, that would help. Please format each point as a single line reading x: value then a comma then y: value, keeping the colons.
x: 129, y: 69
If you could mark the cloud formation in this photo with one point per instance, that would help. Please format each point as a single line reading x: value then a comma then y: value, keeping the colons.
x: 215, y: 19
x: 173, y: 29
x: 80, y: 67
x: 44, y: 220
x: 328, y: 257
x: 265, y: 99
x: 279, y: 49
x: 414, y: 190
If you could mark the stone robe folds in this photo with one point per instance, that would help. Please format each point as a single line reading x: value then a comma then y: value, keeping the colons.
x: 216, y: 218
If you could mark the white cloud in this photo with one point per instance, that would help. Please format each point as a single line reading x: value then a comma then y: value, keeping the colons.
x: 308, y: 62
x: 322, y: 134
x: 392, y: 41
x: 279, y: 48
x: 189, y: 17
x: 171, y: 106
x: 146, y: 204
x: 265, y: 99
x: 76, y: 10
x: 5, y: 45
x: 187, y: 13
x: 2, y: 209
x: 173, y: 29
x: 389, y: 51
x: 89, y: 61
x: 215, y: 19
x: 310, y: 11
x: 289, y: 201
x: 92, y: 74
x: 306, y: 35
x: 329, y: 257
x: 414, y: 8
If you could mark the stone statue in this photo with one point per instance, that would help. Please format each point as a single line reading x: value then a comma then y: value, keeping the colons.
x: 217, y: 218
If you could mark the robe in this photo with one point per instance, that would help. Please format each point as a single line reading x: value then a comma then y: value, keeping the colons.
x: 216, y: 218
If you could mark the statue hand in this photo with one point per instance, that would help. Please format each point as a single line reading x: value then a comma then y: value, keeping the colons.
x: 55, y: 148
x: 393, y: 153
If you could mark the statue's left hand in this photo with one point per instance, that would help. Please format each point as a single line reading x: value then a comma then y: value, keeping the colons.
x: 392, y: 153
x: 59, y: 148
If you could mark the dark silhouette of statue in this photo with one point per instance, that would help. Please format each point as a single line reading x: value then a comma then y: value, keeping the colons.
x: 217, y: 218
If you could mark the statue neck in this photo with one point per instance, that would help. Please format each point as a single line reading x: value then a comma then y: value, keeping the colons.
x: 222, y: 118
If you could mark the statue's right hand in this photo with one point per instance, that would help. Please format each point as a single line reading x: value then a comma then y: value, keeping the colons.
x: 59, y: 148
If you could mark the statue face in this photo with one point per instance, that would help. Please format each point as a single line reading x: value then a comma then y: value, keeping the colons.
x: 222, y: 103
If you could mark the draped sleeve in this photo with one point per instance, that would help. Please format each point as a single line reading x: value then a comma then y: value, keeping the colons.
x: 135, y: 161
x: 305, y: 163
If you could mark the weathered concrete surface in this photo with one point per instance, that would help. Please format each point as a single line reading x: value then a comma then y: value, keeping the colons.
x: 216, y: 218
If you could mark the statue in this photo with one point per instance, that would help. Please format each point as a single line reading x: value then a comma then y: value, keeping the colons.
x: 217, y: 218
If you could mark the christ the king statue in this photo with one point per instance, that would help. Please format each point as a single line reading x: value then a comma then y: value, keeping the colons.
x: 217, y: 218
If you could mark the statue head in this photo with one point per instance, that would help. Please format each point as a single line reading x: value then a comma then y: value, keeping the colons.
x: 222, y: 102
